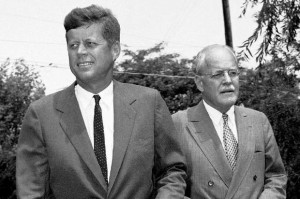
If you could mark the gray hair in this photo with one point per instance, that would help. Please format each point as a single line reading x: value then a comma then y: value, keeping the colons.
x: 200, y: 59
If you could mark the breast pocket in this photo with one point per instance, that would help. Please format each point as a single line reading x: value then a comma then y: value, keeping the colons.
x: 258, y: 157
x: 259, y: 146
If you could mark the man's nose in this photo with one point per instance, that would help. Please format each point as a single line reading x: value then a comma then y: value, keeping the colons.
x: 82, y: 49
x: 227, y: 77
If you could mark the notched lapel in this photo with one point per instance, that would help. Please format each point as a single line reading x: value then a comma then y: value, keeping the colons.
x: 74, y: 127
x: 204, y: 133
x: 246, y: 149
x: 124, y: 116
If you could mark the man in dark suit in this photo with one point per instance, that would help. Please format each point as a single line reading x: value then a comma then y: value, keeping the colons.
x: 231, y: 151
x: 98, y: 138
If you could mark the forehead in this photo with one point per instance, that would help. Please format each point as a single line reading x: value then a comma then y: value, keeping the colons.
x: 92, y: 31
x: 220, y: 58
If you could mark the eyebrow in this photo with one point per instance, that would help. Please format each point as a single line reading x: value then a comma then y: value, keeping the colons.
x: 219, y: 69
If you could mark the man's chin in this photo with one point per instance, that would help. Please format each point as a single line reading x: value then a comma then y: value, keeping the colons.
x: 229, y: 102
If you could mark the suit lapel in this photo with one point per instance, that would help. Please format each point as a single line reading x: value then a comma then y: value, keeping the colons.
x: 204, y: 133
x: 246, y: 150
x: 124, y: 116
x: 73, y: 125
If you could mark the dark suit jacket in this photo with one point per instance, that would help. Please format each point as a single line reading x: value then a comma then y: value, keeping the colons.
x: 55, y: 157
x: 259, y: 172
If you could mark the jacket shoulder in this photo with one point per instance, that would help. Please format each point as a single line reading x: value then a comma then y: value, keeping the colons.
x: 180, y: 117
x: 180, y: 114
x: 132, y: 91
x: 250, y: 112
x: 136, y: 88
x: 48, y: 100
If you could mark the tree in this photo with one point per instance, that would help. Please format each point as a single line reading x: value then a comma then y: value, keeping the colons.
x: 165, y: 72
x: 19, y: 86
x: 274, y: 87
x: 274, y: 92
x: 278, y: 24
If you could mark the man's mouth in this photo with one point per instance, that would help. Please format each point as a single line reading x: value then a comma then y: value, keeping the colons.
x: 227, y: 91
x: 84, y: 64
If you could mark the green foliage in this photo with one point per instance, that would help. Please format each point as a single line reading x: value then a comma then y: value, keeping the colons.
x: 19, y: 86
x: 278, y: 24
x: 164, y: 72
x: 275, y: 92
x: 274, y: 87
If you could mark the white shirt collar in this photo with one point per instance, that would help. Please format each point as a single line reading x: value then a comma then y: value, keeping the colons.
x: 85, y: 97
x: 216, y: 116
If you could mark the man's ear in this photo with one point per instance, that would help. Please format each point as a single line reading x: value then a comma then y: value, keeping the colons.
x: 116, y: 49
x: 199, y: 83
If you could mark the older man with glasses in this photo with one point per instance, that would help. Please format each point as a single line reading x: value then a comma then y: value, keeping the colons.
x: 231, y: 151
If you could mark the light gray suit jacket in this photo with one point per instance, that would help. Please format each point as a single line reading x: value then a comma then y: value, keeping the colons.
x: 55, y: 158
x: 259, y: 172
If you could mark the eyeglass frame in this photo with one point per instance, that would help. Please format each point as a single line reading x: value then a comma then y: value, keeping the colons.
x: 222, y: 73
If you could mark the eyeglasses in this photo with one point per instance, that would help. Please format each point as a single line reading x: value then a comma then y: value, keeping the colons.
x: 219, y: 74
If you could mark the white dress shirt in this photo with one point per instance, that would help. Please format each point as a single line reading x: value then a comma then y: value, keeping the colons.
x: 216, y: 117
x: 87, y: 106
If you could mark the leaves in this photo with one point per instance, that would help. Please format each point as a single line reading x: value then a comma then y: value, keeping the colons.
x: 164, y: 72
x: 274, y: 91
x: 277, y: 23
x: 19, y: 86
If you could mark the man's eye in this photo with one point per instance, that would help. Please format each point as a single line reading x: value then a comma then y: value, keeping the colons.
x: 90, y: 44
x: 73, y: 46
x: 233, y: 73
x: 217, y: 75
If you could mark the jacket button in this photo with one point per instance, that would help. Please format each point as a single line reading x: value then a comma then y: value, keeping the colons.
x: 211, y: 183
x: 254, y: 177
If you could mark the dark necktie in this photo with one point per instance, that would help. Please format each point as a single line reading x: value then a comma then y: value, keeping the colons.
x: 230, y: 143
x: 99, y: 141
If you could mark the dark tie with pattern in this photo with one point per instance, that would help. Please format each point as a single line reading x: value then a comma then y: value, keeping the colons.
x: 230, y: 143
x: 99, y: 141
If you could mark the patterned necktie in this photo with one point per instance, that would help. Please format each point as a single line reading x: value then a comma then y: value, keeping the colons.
x: 99, y: 141
x: 230, y: 143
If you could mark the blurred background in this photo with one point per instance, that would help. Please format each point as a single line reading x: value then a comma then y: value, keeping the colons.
x: 33, y: 30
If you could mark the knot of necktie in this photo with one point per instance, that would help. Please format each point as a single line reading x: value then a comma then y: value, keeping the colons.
x: 225, y: 118
x: 97, y: 99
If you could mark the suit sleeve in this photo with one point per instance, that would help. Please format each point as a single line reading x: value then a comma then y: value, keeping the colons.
x: 170, y: 165
x: 275, y: 175
x: 31, y: 166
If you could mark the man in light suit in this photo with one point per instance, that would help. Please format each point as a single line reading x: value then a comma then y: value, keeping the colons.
x: 66, y: 150
x: 231, y: 151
